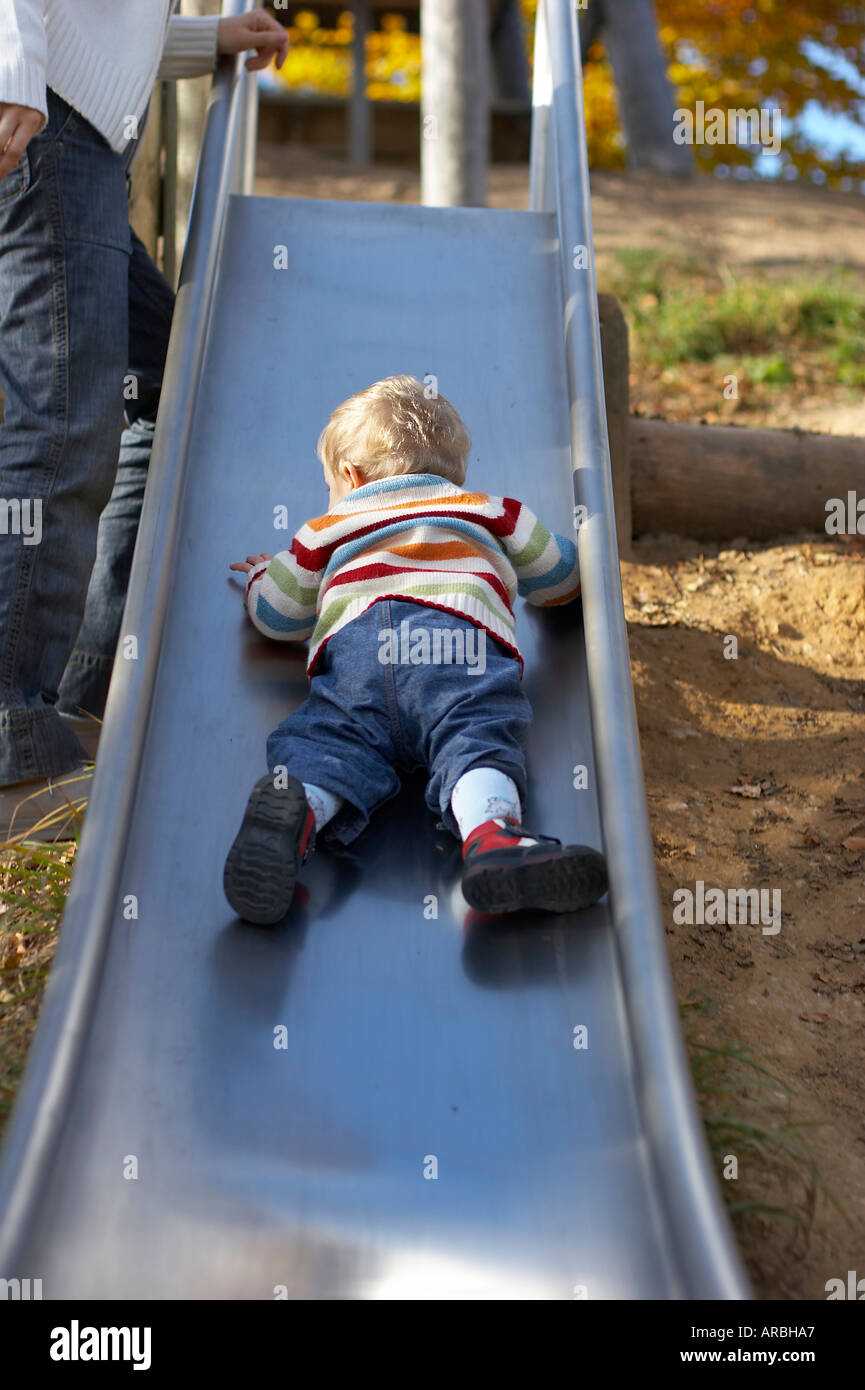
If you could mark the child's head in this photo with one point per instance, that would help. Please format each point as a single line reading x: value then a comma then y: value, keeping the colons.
x: 392, y: 427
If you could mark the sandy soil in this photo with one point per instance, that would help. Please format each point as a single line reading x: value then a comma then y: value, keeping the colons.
x: 755, y: 775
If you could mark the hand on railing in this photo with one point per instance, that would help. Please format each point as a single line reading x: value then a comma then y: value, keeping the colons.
x: 259, y: 30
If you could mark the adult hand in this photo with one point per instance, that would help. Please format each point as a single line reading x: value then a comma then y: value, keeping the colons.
x: 17, y: 125
x: 258, y: 30
x: 251, y: 563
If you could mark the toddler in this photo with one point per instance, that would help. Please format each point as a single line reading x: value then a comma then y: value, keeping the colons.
x: 405, y: 591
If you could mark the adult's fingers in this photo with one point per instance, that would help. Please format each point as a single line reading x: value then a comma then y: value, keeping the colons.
x: 17, y: 125
x: 262, y: 59
x: 10, y: 118
x: 269, y: 38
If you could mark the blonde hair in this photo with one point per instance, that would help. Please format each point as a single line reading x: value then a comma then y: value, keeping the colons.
x: 394, y: 427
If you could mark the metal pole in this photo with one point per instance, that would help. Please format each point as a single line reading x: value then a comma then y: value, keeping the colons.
x: 360, y: 113
x: 455, y: 103
x: 244, y: 160
x: 542, y: 196
x: 169, y: 185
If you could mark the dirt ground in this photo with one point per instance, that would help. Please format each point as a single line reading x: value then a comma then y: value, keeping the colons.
x: 754, y: 764
x: 755, y: 776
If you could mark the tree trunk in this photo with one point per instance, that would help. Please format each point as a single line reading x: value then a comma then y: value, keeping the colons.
x: 510, y: 63
x: 645, y: 97
x: 455, y: 117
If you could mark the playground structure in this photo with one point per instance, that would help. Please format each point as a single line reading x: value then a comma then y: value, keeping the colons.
x: 374, y: 1100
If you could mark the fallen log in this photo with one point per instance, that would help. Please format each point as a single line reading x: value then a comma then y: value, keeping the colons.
x: 721, y: 482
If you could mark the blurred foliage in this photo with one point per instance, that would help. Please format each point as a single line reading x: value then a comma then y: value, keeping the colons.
x: 726, y: 53
x: 320, y: 62
x: 746, y: 53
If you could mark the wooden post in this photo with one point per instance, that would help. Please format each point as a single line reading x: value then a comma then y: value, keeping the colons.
x: 455, y: 116
x: 145, y: 198
x: 192, y: 96
x: 614, y: 353
x: 359, y: 111
x: 721, y: 482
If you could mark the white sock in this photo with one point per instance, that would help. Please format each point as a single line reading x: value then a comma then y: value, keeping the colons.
x: 323, y: 804
x: 484, y: 794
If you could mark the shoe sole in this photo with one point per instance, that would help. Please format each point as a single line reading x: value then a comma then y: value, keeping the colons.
x: 565, y: 884
x: 262, y: 865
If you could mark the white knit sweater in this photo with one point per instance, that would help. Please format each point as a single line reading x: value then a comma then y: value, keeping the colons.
x: 102, y: 56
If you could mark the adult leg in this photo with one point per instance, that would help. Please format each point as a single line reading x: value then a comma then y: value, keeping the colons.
x: 64, y: 269
x: 151, y: 303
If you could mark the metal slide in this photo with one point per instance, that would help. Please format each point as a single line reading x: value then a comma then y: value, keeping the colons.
x: 371, y: 1101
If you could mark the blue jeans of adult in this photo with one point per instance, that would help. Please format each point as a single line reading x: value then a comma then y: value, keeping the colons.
x: 382, y: 702
x: 84, y: 322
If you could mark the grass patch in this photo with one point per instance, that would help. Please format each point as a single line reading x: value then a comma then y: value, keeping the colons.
x: 685, y: 308
x: 751, y: 1115
x: 34, y: 882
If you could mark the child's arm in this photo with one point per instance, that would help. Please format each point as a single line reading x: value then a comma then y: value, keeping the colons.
x: 546, y: 565
x: 281, y: 595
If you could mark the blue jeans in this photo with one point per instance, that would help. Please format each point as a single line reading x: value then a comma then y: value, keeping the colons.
x: 84, y: 321
x: 377, y: 706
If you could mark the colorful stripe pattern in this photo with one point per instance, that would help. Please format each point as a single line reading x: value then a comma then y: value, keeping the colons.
x: 420, y: 538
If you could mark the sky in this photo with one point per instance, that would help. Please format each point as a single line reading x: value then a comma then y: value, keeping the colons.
x: 829, y: 133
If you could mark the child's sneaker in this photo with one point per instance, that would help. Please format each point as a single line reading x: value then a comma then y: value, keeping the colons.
x: 276, y: 837
x: 507, y: 869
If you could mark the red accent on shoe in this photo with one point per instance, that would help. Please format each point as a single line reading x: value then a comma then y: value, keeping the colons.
x: 495, y: 835
x: 307, y: 835
x: 502, y: 875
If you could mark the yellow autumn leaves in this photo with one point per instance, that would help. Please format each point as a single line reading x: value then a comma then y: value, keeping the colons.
x: 320, y: 61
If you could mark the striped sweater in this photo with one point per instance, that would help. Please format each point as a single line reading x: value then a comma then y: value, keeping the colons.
x: 419, y: 538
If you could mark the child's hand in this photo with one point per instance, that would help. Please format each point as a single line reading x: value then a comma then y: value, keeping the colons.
x: 251, y: 563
